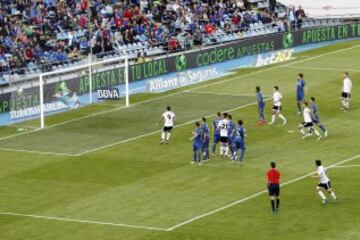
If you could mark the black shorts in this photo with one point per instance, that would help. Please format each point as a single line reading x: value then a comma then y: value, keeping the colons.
x: 326, y: 186
x: 167, y: 129
x: 274, y: 190
x: 307, y: 124
x: 223, y: 139
x: 345, y: 95
x: 276, y: 108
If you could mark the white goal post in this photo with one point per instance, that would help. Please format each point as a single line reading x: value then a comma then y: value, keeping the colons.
x: 114, y: 74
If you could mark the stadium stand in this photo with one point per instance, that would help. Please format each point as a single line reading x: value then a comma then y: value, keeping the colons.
x: 44, y: 35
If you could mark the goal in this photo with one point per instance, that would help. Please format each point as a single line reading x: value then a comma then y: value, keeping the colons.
x: 70, y: 87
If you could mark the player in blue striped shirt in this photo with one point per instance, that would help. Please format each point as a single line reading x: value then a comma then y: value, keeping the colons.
x: 300, y: 91
x: 261, y: 105
x: 239, y: 142
x: 205, y: 138
x: 197, y: 144
x: 315, y: 116
x: 216, y: 139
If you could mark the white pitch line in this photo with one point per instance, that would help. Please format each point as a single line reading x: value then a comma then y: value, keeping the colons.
x: 254, y: 195
x: 169, y: 95
x: 89, y: 116
x: 202, y: 86
x: 347, y: 166
x: 21, y: 126
x: 177, y: 225
x: 210, y: 84
x: 176, y: 93
x: 82, y: 221
x: 121, y: 141
x: 323, y: 68
x: 113, y: 105
x: 156, y: 132
x: 19, y: 134
x: 278, y: 66
x: 304, y: 56
x: 37, y: 152
x: 221, y: 94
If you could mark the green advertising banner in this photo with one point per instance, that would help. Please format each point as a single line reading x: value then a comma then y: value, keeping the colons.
x: 102, y: 79
x: 241, y: 48
x: 205, y: 57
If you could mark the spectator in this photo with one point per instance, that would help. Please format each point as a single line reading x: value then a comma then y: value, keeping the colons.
x: 198, y: 40
x: 272, y: 6
x: 174, y: 44
x: 84, y: 45
x: 299, y: 14
x: 97, y: 48
x: 74, y: 54
x: 291, y: 18
x: 29, y: 54
x: 108, y: 46
x: 286, y: 24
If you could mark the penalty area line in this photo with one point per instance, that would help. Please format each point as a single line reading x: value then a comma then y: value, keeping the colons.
x: 324, y: 69
x: 347, y: 166
x: 37, y: 152
x: 125, y: 140
x: 63, y: 219
x: 191, y: 220
x: 220, y: 94
x: 277, y: 66
x: 22, y: 126
x: 156, y: 132
x: 177, y: 93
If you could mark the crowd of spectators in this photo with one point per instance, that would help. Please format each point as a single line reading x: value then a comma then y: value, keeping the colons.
x: 46, y: 32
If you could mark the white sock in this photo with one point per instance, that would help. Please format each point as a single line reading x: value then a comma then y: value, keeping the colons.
x: 221, y: 150
x: 322, y: 195
x: 282, y: 117
x: 302, y: 131
x: 273, y: 118
x: 226, y: 151
x: 332, y: 194
x: 316, y: 132
x: 168, y: 136
x: 343, y: 102
x: 347, y: 102
x: 163, y: 136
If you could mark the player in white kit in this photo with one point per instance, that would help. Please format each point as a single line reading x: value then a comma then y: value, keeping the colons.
x: 168, y: 117
x: 346, y: 92
x: 308, y: 123
x: 324, y: 182
x: 223, y: 128
x: 276, y: 110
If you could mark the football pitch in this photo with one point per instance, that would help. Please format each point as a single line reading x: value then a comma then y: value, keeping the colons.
x: 100, y: 173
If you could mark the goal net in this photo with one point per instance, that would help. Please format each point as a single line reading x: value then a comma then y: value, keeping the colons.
x: 69, y: 88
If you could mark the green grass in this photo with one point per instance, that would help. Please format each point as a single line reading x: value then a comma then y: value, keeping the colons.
x: 140, y: 182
